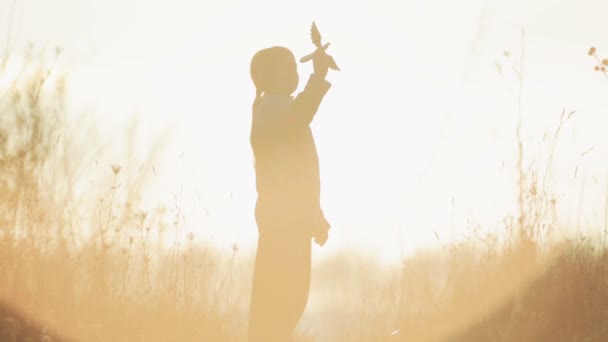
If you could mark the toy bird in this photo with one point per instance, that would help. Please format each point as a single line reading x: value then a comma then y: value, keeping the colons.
x: 315, y: 36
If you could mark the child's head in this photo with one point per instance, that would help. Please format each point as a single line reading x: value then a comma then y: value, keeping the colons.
x: 274, y: 70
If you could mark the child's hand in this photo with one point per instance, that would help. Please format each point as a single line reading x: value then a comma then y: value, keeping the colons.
x: 321, y: 236
x: 321, y: 62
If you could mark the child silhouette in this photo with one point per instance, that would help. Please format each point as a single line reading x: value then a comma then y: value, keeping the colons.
x: 288, y: 210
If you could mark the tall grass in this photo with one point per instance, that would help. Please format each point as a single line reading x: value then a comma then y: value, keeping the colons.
x: 85, y: 258
x: 524, y: 285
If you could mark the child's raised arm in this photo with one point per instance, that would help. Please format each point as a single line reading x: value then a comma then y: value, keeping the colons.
x: 269, y: 124
x: 305, y: 105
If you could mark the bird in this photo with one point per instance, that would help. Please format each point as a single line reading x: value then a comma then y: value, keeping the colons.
x: 315, y: 36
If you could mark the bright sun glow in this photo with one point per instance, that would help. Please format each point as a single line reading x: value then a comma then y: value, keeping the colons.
x: 415, y: 137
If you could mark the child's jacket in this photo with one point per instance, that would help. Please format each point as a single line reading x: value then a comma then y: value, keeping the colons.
x: 286, y: 161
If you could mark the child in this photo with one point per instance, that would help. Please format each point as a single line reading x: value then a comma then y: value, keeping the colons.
x: 288, y: 211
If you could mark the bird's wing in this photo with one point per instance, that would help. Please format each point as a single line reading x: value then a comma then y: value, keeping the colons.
x: 315, y: 36
x: 332, y: 64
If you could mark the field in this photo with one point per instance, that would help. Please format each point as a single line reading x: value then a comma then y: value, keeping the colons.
x: 91, y: 268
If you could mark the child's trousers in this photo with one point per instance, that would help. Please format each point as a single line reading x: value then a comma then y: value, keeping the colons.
x: 281, y: 282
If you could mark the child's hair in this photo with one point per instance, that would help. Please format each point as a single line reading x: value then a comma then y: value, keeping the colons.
x: 262, y: 67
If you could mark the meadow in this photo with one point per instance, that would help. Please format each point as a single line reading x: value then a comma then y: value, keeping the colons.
x: 84, y: 263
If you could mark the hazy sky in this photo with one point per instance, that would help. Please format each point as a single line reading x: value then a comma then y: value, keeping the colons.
x: 418, y: 115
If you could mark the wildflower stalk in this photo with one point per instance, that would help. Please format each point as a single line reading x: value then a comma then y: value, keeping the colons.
x: 521, y: 174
